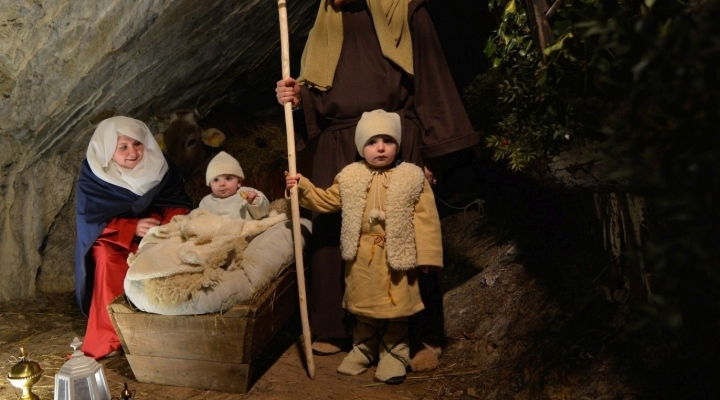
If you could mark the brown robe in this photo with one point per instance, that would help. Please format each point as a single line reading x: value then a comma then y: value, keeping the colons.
x: 434, y: 123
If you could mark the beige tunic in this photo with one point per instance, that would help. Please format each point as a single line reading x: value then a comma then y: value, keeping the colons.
x: 373, y: 288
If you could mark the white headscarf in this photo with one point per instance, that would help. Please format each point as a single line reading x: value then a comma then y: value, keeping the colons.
x: 146, y: 175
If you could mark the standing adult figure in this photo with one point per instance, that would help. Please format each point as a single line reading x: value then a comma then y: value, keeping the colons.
x: 126, y: 187
x: 363, y: 55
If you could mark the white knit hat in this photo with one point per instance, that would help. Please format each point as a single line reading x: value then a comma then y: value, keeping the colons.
x: 223, y: 163
x: 378, y: 122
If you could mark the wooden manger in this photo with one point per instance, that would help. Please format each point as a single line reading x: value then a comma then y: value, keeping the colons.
x: 210, y: 351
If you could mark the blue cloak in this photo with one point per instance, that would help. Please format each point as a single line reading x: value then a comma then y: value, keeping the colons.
x: 98, y: 202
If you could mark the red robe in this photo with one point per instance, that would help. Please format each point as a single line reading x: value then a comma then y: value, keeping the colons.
x: 110, y: 252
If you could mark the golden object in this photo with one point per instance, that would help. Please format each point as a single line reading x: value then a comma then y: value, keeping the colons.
x: 24, y: 374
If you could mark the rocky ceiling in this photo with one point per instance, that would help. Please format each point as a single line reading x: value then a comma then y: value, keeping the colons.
x: 67, y: 64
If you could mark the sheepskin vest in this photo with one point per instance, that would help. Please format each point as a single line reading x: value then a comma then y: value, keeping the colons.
x: 404, y: 188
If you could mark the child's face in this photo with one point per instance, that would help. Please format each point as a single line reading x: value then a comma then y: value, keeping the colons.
x: 225, y: 185
x: 380, y: 150
x: 128, y: 152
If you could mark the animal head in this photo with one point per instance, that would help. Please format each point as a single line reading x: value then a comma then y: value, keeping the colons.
x: 184, y: 141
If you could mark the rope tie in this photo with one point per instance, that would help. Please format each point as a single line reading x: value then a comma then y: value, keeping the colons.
x: 382, y: 330
x: 392, y: 299
x: 358, y: 343
x: 376, y: 212
x: 378, y: 240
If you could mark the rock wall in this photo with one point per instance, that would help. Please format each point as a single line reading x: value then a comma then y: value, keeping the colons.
x: 67, y: 64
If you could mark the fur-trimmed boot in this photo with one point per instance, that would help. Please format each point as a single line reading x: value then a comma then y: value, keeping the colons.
x: 426, y: 354
x: 323, y: 346
x: 394, y: 351
x: 365, y: 347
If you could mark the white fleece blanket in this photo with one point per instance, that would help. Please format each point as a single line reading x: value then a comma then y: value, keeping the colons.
x: 195, y: 242
x: 194, y: 253
x: 264, y: 259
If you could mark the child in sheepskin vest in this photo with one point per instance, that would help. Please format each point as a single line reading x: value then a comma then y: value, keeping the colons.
x: 229, y: 197
x: 390, y: 229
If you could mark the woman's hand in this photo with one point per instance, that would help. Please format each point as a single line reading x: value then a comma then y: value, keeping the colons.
x: 291, y: 181
x: 144, y: 226
x: 288, y: 90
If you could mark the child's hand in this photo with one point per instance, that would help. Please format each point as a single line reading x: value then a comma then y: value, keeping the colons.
x: 250, y: 196
x: 291, y: 181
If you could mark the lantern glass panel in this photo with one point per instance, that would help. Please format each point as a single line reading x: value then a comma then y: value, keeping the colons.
x: 83, y: 388
x: 61, y: 389
x: 102, y: 390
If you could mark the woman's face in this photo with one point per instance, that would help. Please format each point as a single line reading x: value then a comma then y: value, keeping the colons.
x: 129, y: 152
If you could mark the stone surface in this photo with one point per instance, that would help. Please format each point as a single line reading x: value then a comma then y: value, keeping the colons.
x: 67, y: 64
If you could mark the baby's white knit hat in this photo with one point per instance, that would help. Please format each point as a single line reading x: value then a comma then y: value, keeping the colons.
x: 378, y: 122
x: 223, y: 163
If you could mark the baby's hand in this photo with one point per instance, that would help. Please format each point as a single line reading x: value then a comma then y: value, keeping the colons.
x: 250, y: 196
x: 291, y: 181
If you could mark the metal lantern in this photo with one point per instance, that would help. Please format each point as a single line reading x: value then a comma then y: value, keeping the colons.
x: 81, y: 378
x: 24, y: 374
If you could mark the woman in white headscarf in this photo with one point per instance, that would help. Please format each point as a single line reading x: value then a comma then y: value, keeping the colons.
x: 126, y: 186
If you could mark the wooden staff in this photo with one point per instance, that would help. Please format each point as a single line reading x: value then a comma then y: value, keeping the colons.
x: 297, y: 238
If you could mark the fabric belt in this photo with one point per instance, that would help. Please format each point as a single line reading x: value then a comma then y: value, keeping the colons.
x: 337, y: 124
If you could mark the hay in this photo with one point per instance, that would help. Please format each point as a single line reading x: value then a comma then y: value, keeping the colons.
x: 262, y: 155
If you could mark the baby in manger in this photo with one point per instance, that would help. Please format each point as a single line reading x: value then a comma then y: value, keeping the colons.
x: 229, y: 197
x: 193, y: 253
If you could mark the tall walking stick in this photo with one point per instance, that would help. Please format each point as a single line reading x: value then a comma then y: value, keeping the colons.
x: 290, y: 129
